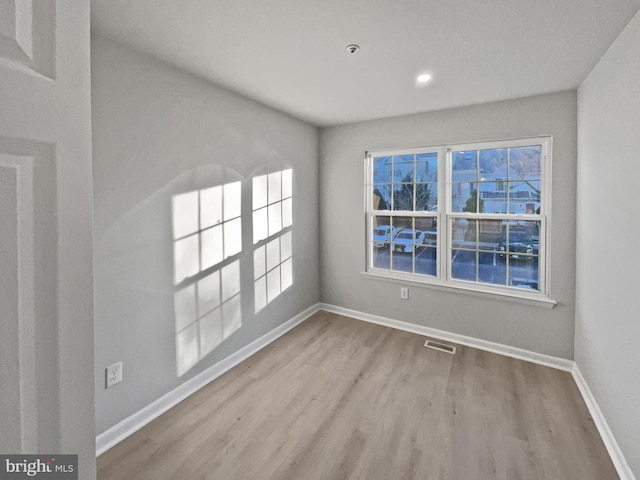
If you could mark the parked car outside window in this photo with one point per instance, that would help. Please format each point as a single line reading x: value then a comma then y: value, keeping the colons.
x: 383, y: 234
x: 407, y: 240
x: 519, y: 247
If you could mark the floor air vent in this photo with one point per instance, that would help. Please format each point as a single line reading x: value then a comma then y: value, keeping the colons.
x: 440, y: 346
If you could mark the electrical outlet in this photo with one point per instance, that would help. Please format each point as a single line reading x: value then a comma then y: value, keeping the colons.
x: 113, y: 374
x: 404, y: 293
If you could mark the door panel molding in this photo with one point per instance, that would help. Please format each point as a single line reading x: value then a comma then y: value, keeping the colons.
x: 27, y: 35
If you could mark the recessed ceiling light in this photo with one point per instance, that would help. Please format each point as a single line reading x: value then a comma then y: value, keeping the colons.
x: 423, y: 78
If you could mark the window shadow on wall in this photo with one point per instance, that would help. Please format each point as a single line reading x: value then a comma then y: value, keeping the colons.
x: 175, y: 272
x: 207, y: 236
x: 272, y: 205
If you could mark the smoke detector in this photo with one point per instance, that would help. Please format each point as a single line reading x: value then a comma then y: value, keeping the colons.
x: 353, y: 48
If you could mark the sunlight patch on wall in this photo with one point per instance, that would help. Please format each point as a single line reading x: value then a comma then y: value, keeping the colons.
x: 207, y: 233
x: 272, y: 204
x: 273, y: 257
x: 207, y: 228
x: 207, y: 312
x: 273, y: 270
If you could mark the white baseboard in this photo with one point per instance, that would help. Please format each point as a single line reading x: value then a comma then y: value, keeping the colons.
x: 617, y: 457
x: 114, y: 435
x: 519, y: 353
x: 135, y: 422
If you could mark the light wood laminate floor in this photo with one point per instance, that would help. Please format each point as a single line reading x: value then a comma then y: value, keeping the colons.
x: 338, y: 398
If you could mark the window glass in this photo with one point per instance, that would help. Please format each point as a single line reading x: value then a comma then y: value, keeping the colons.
x: 493, y: 204
x: 403, y: 166
x: 381, y: 199
x: 382, y: 184
x: 382, y: 170
x: 427, y: 167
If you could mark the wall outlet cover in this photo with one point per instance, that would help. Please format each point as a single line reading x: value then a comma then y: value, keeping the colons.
x: 113, y: 374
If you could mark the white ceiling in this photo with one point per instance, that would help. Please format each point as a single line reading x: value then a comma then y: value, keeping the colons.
x: 290, y: 54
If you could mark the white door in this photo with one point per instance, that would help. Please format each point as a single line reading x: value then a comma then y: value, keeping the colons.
x: 46, y: 307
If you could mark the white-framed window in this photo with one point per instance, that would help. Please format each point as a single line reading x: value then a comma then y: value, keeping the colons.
x: 473, y: 216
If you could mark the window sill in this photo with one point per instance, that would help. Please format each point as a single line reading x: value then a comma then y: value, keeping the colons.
x: 536, y: 299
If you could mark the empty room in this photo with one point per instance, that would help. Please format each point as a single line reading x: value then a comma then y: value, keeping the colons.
x: 320, y: 240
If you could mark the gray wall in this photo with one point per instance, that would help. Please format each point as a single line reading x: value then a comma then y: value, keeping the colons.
x: 607, y: 321
x: 535, y: 328
x: 157, y: 132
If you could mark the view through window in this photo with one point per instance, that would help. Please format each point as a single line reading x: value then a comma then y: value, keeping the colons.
x: 472, y: 215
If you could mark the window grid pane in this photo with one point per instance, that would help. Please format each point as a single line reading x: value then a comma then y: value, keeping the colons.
x: 494, y: 201
x: 496, y: 252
